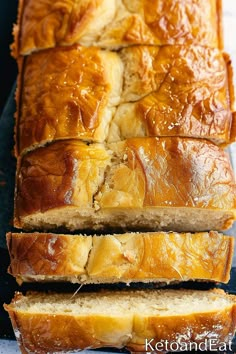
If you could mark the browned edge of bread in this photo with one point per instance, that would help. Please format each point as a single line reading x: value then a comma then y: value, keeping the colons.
x: 229, y: 87
x: 229, y: 260
x: 230, y: 77
x: 16, y: 221
x: 16, y: 31
x: 37, y: 256
x: 18, y: 95
x: 233, y: 127
x: 15, y: 47
x: 219, y: 8
x: 231, y: 92
x: 47, y: 332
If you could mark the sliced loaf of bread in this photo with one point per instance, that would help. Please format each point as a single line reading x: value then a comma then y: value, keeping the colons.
x: 48, y: 323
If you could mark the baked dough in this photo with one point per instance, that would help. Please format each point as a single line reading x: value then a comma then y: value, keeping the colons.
x: 115, y: 23
x: 175, y: 91
x: 68, y: 93
x: 144, y: 183
x: 97, y: 95
x: 52, y: 323
x: 133, y: 257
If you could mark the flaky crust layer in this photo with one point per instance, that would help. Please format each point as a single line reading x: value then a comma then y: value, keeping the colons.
x: 48, y: 333
x: 115, y: 23
x: 132, y: 257
x: 133, y: 175
x: 97, y: 95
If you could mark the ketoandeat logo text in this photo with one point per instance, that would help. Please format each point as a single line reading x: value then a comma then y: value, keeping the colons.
x: 207, y: 345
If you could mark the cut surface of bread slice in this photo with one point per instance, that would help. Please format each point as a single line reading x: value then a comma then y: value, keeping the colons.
x: 138, y: 184
x: 133, y: 257
x: 116, y: 23
x: 49, y: 323
x: 97, y: 95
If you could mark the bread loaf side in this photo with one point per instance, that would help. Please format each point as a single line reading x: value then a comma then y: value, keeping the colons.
x: 133, y: 257
x: 48, y: 323
x: 116, y: 23
x: 143, y: 183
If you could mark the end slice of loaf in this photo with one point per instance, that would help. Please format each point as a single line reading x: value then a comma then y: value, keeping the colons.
x: 116, y: 24
x: 57, y: 323
x: 140, y: 184
x: 130, y: 257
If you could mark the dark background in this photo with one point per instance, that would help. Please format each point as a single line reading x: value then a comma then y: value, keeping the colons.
x: 8, y: 68
x: 8, y: 72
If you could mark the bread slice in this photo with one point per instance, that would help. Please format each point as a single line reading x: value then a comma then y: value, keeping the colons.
x: 52, y: 323
x: 133, y: 257
x: 96, y: 95
x: 116, y: 23
x: 138, y: 184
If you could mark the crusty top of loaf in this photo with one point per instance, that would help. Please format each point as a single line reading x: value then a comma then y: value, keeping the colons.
x: 116, y: 23
x: 136, y: 173
x: 141, y: 91
x: 175, y: 91
x: 68, y: 93
x: 169, y: 172
x: 64, y: 173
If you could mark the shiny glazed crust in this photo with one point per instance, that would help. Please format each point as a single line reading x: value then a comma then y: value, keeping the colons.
x: 97, y: 95
x: 48, y: 333
x: 115, y: 23
x: 187, y: 91
x: 132, y: 257
x: 137, y: 175
x: 75, y: 99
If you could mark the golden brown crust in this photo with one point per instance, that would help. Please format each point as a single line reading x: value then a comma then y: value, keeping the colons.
x: 233, y: 127
x: 114, y: 24
x: 170, y: 172
x: 164, y: 23
x: 48, y: 254
x: 230, y: 83
x: 46, y: 24
x: 18, y: 100
x: 54, y: 179
x: 224, y: 319
x: 167, y: 91
x: 57, y: 176
x: 75, y: 98
x: 133, y: 257
x: 219, y: 7
x: 232, y: 96
x: 43, y: 333
x: 16, y: 31
x: 186, y: 93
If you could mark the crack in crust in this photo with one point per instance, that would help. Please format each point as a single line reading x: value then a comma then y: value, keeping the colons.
x: 117, y: 23
x: 79, y: 186
x: 132, y: 257
x: 98, y: 96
